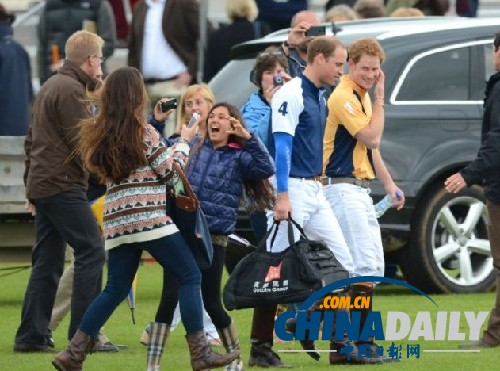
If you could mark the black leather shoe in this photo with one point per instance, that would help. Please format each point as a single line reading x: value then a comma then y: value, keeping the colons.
x: 262, y: 355
x: 50, y: 340
x: 32, y: 348
x: 290, y: 326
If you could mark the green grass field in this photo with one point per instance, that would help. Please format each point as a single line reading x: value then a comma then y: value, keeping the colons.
x: 121, y: 330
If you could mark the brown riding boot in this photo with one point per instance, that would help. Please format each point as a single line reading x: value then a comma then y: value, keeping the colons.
x: 491, y: 336
x: 71, y: 358
x: 202, y: 356
x: 345, y: 351
x: 368, y: 347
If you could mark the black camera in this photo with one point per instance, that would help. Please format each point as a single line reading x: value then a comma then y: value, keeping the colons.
x: 278, y: 80
x: 316, y: 31
x: 168, y: 105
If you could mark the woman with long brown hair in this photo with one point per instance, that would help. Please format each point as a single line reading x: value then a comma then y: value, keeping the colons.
x: 129, y: 156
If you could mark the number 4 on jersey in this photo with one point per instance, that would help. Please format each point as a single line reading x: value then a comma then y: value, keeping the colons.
x: 283, y: 108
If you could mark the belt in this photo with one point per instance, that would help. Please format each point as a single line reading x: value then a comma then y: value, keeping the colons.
x: 364, y: 183
x: 314, y: 178
x: 154, y: 80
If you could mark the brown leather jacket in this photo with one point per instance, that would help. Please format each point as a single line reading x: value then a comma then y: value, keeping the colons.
x: 51, y: 166
x: 181, y: 29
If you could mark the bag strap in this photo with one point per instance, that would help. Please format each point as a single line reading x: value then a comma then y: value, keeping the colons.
x: 262, y: 243
x: 187, y: 187
x: 299, y: 228
x: 274, y: 230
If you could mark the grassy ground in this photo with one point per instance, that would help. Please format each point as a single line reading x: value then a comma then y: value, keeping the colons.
x: 121, y: 330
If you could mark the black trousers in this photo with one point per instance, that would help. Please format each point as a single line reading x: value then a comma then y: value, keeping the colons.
x: 210, y: 290
x: 61, y: 219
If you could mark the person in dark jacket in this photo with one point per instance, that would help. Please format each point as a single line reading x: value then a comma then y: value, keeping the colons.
x: 60, y: 19
x: 56, y: 182
x: 242, y: 14
x: 15, y: 79
x: 485, y: 170
x: 227, y: 162
x: 298, y: 42
x: 278, y: 13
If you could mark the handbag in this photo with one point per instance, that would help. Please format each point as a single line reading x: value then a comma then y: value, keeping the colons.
x: 185, y: 211
x: 264, y: 278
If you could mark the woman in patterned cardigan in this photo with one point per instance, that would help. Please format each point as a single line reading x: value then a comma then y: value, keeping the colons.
x: 129, y: 156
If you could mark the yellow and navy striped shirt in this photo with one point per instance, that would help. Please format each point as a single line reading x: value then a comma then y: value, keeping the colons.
x: 349, y: 111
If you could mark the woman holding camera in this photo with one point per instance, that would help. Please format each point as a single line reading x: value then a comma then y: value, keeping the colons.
x: 269, y: 73
x: 128, y: 154
x: 193, y: 110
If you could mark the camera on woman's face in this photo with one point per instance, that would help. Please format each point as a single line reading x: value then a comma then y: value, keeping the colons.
x: 278, y: 80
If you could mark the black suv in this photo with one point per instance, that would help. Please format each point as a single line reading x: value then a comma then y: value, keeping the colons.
x: 435, y: 73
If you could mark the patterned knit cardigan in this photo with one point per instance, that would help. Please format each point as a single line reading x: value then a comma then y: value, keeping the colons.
x: 135, y: 208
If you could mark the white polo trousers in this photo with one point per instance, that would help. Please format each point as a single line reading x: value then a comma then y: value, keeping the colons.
x: 355, y: 212
x: 311, y: 210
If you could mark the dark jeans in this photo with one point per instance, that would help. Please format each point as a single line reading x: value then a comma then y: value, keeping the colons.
x: 210, y: 289
x: 61, y: 219
x: 174, y: 256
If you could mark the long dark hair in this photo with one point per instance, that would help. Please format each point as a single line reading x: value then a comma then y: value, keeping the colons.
x: 111, y: 144
x: 259, y: 194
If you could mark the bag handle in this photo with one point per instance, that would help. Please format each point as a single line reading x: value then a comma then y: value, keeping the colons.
x: 297, y: 225
x: 274, y: 227
x: 185, y: 183
x: 262, y: 243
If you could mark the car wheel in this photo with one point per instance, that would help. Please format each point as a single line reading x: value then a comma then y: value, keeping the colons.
x: 449, y: 249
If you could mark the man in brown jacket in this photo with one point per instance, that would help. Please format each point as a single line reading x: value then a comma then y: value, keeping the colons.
x: 56, y: 182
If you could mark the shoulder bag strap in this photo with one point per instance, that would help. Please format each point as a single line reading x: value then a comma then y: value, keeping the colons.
x: 187, y: 187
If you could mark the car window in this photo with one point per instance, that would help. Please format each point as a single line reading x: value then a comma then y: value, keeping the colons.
x: 232, y: 83
x: 488, y: 61
x: 440, y: 76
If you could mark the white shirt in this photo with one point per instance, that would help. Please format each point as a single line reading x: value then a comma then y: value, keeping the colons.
x: 159, y: 60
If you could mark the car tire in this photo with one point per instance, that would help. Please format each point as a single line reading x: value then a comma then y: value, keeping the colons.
x: 444, y: 253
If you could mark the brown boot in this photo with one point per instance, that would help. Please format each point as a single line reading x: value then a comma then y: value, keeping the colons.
x: 231, y: 343
x: 367, y: 347
x: 491, y: 336
x: 202, y: 356
x: 345, y: 351
x: 71, y: 358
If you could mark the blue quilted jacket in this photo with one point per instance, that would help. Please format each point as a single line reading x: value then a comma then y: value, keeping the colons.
x: 217, y: 176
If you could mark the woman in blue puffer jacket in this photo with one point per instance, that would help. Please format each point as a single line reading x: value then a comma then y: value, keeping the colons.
x: 227, y: 162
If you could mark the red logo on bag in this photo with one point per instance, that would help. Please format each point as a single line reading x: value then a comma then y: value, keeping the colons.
x: 274, y: 273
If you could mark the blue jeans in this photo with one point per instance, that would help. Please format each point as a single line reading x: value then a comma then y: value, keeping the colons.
x: 173, y: 255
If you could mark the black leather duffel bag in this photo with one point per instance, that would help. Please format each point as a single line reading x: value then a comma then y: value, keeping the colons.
x: 290, y: 276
